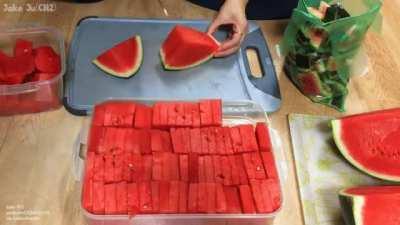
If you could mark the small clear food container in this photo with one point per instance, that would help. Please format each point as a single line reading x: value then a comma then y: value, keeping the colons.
x: 234, y: 113
x: 35, y: 96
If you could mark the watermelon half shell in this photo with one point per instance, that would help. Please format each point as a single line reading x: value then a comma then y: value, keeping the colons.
x: 186, y: 47
x: 122, y: 60
x: 371, y: 142
x: 373, y: 205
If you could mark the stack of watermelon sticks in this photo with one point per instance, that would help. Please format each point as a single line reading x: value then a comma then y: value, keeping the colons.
x: 176, y: 157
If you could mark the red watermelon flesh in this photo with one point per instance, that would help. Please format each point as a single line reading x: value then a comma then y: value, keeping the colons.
x: 186, y: 47
x: 23, y: 47
x: 16, y: 69
x: 310, y: 83
x: 371, y: 205
x: 371, y: 142
x: 123, y: 59
x: 47, y: 60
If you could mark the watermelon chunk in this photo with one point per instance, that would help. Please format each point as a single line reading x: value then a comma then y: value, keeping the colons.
x: 98, y: 174
x: 180, y: 114
x: 16, y: 69
x: 157, y: 169
x: 121, y: 195
x: 192, y: 198
x: 202, y: 169
x: 108, y: 168
x: 219, y: 140
x: 128, y: 167
x: 132, y: 198
x: 263, y: 137
x: 186, y: 47
x: 249, y: 141
x: 155, y: 196
x: 202, y: 198
x: 371, y: 142
x: 183, y: 197
x: 269, y: 164
x: 229, y: 149
x: 211, y: 197
x: 260, y: 203
x: 209, y: 169
x: 371, y: 205
x: 123, y: 60
x: 206, y: 113
x: 193, y: 167
x: 119, y: 114
x: 218, y: 173
x: 272, y: 187
x: 47, y: 60
x: 216, y: 107
x: 212, y: 143
x: 177, y: 140
x: 119, y: 163
x: 232, y: 199
x: 254, y: 166
x: 236, y: 139
x: 23, y: 47
x: 184, y: 167
x: 147, y: 167
x: 87, y: 195
x: 143, y: 116
x: 242, y: 170
x: 186, y: 140
x: 204, y: 141
x: 246, y: 198
x: 226, y: 170
x: 98, y: 197
x: 145, y: 205
x: 173, y: 197
x: 235, y: 174
x: 195, y: 140
x: 221, y: 203
x: 164, y: 196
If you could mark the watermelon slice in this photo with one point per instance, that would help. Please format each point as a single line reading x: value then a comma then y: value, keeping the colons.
x: 123, y: 60
x: 186, y: 47
x: 371, y: 142
x: 310, y: 83
x: 373, y: 205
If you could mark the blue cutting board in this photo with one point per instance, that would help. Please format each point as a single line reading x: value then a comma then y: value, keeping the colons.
x: 226, y: 78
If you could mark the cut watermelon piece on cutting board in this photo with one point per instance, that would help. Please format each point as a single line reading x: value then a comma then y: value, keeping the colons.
x: 371, y: 142
x: 371, y: 205
x: 123, y: 60
x: 186, y: 47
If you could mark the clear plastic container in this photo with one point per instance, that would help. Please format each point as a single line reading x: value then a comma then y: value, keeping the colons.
x: 36, y: 96
x: 234, y: 113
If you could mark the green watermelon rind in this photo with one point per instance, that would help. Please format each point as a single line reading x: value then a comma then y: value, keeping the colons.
x: 337, y: 131
x: 352, y: 206
x: 175, y: 68
x: 128, y: 74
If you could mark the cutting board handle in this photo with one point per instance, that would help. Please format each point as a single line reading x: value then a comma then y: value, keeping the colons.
x: 268, y: 82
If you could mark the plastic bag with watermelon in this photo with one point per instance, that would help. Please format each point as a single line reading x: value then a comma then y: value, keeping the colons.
x: 320, y: 45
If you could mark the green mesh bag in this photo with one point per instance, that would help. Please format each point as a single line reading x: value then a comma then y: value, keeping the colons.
x: 320, y: 43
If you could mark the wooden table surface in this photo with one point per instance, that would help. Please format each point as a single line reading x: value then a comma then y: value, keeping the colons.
x: 36, y: 150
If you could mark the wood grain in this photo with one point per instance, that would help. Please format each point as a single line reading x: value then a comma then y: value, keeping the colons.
x: 36, y: 150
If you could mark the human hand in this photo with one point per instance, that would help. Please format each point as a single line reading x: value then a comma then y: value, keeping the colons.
x: 231, y: 14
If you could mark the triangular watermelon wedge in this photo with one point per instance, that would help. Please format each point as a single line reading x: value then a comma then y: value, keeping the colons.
x: 186, y: 47
x: 371, y: 205
x: 123, y: 60
x: 371, y: 142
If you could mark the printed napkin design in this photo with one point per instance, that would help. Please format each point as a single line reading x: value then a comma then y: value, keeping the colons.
x: 321, y: 169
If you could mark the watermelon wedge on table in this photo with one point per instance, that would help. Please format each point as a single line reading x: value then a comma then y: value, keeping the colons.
x: 371, y: 142
x: 123, y: 60
x: 186, y: 47
x: 371, y: 205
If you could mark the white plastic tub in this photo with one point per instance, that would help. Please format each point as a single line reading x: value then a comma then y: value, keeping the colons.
x: 36, y: 96
x: 234, y: 113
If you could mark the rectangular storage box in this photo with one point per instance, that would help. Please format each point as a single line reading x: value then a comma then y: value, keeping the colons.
x: 36, y: 96
x: 234, y: 113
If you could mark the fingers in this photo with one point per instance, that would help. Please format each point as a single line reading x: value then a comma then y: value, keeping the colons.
x: 227, y: 52
x: 232, y: 42
x: 213, y: 26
